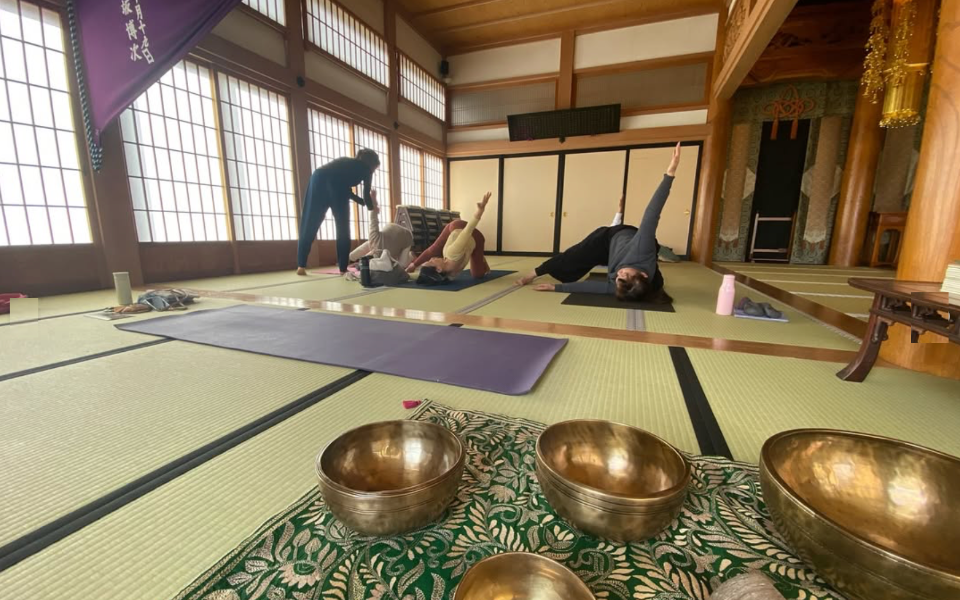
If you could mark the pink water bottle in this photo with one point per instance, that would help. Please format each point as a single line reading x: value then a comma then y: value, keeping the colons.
x: 728, y: 290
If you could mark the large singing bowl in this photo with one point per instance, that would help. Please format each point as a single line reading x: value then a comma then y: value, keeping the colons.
x: 391, y: 477
x: 611, y: 480
x: 878, y: 518
x: 520, y: 576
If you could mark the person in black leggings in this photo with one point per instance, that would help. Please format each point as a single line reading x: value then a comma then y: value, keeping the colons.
x: 630, y: 254
x: 331, y: 187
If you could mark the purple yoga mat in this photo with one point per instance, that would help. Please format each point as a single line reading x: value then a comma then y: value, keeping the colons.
x: 506, y: 363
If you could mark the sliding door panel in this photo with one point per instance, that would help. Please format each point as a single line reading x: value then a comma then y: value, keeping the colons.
x: 592, y: 185
x: 529, y: 202
x: 647, y: 166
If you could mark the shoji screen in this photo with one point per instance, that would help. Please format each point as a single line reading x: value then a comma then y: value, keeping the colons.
x: 469, y: 181
x: 647, y: 166
x: 529, y: 202
x: 592, y: 185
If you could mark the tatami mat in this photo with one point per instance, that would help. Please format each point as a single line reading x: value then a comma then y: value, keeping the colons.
x: 754, y: 397
x: 530, y: 305
x: 822, y: 284
x: 694, y: 289
x: 75, y: 433
x: 436, y: 300
x: 160, y: 542
x: 39, y: 343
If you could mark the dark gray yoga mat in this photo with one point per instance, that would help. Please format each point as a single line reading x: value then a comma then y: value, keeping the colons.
x: 461, y: 282
x: 610, y: 301
x: 506, y: 363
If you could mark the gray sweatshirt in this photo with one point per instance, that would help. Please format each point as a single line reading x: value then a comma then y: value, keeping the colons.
x: 628, y: 249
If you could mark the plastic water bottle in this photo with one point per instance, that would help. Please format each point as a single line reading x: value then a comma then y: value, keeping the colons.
x: 365, y: 280
x: 728, y: 290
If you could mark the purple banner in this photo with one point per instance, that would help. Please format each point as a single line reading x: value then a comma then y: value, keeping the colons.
x: 127, y: 45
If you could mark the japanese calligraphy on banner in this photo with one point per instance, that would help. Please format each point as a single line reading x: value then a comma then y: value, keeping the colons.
x: 124, y: 46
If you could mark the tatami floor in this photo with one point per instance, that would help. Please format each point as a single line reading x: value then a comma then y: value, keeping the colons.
x: 129, y: 445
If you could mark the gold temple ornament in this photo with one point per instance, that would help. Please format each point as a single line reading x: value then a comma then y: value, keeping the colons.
x: 887, y: 67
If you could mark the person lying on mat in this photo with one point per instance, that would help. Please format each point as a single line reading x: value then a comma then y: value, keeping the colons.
x: 331, y: 187
x: 395, y: 239
x: 459, y: 243
x: 629, y: 253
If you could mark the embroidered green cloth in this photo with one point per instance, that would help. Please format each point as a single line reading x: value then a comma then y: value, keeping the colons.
x: 306, y: 554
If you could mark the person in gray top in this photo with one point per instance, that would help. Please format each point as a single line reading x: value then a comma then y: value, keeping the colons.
x: 630, y: 254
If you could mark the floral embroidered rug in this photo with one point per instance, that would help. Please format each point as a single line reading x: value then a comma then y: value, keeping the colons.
x: 306, y: 554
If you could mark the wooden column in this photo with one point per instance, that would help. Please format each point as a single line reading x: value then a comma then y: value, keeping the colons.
x: 932, y: 236
x: 114, y: 209
x: 393, y: 103
x: 714, y: 161
x: 856, y: 186
x: 568, y: 42
x: 299, y: 112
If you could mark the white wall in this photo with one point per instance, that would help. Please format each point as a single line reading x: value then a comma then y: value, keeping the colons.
x: 500, y: 134
x: 534, y: 58
x: 414, y: 117
x: 644, y: 42
x: 369, y: 11
x: 329, y: 74
x: 247, y: 32
x: 417, y: 48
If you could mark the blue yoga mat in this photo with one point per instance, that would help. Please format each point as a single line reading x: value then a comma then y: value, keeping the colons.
x: 461, y: 282
x: 506, y: 363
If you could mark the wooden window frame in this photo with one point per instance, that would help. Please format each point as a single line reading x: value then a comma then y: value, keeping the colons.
x: 306, y: 20
x: 421, y: 154
x: 77, y: 132
x: 265, y: 19
x: 444, y: 105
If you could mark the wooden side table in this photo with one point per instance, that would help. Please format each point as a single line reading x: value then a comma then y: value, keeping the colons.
x: 920, y: 305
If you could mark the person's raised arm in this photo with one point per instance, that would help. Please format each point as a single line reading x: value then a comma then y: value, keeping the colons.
x: 467, y: 232
x: 647, y: 233
x: 618, y: 218
x: 374, y: 241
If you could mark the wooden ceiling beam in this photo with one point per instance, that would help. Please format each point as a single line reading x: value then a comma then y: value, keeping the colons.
x: 534, y: 15
x: 453, y: 7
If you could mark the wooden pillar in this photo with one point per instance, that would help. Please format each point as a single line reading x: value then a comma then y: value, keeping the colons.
x: 393, y: 103
x: 568, y: 41
x: 856, y: 186
x: 714, y: 161
x: 114, y: 210
x: 299, y: 111
x: 932, y: 236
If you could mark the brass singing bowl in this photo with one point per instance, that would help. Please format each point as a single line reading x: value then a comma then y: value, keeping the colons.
x: 876, y: 517
x: 391, y: 477
x: 611, y: 480
x: 520, y: 576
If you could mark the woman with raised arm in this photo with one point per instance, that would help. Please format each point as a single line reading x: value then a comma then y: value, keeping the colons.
x: 331, y: 187
x: 459, y: 244
x: 630, y: 254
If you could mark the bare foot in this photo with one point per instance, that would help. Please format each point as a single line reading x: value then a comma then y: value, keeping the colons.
x: 301, y: 271
x: 527, y: 279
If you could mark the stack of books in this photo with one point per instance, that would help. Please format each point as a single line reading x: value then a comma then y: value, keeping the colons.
x: 951, y: 282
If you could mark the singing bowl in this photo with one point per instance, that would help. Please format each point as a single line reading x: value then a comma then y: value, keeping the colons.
x: 876, y: 517
x: 391, y: 477
x: 520, y: 576
x: 611, y: 480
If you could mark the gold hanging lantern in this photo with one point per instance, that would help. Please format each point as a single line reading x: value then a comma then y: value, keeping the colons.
x: 897, y: 61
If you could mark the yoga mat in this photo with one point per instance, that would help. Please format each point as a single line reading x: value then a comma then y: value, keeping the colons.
x: 505, y: 363
x: 610, y: 301
x: 304, y: 551
x: 461, y: 282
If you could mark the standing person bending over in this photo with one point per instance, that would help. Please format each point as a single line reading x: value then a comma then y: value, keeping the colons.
x: 331, y: 187
x: 458, y: 244
x: 630, y: 253
x: 395, y: 239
